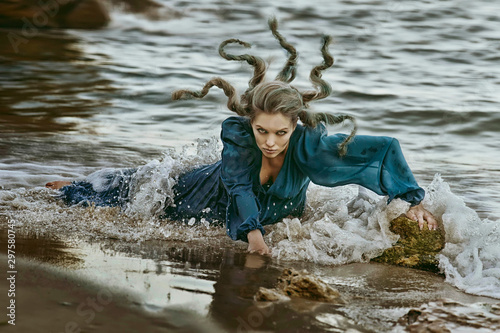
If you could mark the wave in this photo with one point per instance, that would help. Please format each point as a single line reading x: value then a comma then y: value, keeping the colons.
x: 358, y: 95
x: 471, y: 255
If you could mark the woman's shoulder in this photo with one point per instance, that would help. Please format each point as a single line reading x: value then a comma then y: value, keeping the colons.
x: 237, y: 129
x: 236, y: 122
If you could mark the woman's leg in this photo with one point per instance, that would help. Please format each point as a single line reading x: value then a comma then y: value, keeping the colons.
x: 107, y: 187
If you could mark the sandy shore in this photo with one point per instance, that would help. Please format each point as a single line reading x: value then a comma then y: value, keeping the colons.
x: 51, y: 295
x: 48, y: 299
x: 111, y: 286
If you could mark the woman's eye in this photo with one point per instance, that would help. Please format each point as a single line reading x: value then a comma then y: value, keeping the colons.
x: 261, y: 130
x: 281, y: 133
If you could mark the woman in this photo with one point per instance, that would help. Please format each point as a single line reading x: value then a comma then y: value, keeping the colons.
x: 269, y: 158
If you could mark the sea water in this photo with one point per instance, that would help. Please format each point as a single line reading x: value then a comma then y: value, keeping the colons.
x: 73, y: 103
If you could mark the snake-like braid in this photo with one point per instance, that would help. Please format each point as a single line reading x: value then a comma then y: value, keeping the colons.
x: 288, y: 72
x: 323, y: 88
x: 258, y: 64
x: 233, y: 102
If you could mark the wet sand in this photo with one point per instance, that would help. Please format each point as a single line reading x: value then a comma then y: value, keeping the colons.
x: 51, y: 300
x: 159, y: 286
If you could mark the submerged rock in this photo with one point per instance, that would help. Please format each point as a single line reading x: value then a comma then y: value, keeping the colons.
x: 292, y: 283
x: 32, y: 15
x: 446, y: 316
x: 270, y: 295
x: 415, y: 248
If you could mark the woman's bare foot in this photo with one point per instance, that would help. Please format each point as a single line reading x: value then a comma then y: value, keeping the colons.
x: 57, y: 184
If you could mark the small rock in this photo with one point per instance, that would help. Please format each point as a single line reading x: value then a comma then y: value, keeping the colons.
x: 65, y: 303
x: 292, y: 283
x: 270, y: 295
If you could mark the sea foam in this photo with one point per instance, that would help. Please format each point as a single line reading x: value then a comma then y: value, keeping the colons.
x: 471, y: 257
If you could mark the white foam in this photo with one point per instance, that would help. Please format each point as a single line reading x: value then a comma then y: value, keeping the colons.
x: 341, y: 225
x: 471, y: 257
x: 151, y: 186
x: 103, y: 179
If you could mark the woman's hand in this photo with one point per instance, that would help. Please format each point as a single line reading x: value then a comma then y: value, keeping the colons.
x: 256, y: 243
x: 420, y: 214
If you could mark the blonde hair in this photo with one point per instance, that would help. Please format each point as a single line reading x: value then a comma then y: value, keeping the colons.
x: 277, y: 95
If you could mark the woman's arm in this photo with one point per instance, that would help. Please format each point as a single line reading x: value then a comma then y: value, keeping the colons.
x: 239, y: 165
x: 374, y: 162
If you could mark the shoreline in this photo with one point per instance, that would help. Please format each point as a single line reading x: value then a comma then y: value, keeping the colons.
x: 163, y: 286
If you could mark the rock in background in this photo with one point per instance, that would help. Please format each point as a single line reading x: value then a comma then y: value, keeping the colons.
x: 45, y: 14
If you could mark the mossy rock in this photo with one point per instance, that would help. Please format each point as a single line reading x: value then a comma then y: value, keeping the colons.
x: 415, y: 248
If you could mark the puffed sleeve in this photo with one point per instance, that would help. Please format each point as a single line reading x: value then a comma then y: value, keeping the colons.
x: 239, y: 163
x: 374, y: 162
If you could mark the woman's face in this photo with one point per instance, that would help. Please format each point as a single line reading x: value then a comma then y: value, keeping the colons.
x: 272, y: 133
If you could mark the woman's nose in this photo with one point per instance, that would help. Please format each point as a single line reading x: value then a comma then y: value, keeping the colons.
x: 270, y: 142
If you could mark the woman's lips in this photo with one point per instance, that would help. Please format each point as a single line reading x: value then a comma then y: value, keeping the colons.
x: 269, y: 151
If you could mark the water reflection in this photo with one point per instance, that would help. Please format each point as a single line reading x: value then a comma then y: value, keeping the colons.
x: 219, y: 282
x: 240, y: 277
x: 48, y: 81
x: 46, y: 250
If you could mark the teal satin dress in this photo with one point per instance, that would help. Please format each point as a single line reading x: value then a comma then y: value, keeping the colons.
x: 232, y: 188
